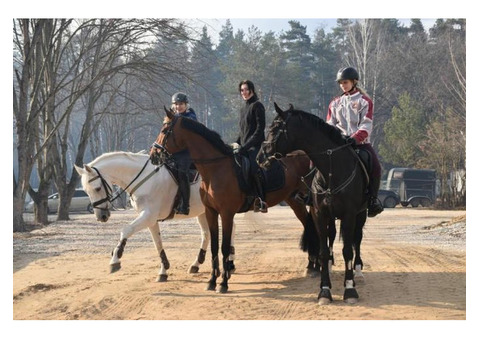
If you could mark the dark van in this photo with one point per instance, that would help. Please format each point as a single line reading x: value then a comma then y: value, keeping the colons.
x: 414, y: 186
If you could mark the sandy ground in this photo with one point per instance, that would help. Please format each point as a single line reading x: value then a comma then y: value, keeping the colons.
x: 415, y: 269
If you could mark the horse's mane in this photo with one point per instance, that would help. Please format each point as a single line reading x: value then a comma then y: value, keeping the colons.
x: 211, y: 136
x: 127, y: 154
x: 331, y: 131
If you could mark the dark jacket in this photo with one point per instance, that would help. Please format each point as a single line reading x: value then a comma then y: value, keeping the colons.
x: 252, y: 125
x: 184, y: 156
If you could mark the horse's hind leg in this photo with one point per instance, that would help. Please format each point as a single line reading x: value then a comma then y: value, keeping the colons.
x: 309, y: 241
x: 164, y: 264
x: 358, y: 236
x: 205, y: 234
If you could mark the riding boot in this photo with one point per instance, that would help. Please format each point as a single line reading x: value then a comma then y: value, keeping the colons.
x: 374, y: 205
x: 184, y: 189
x: 259, y: 203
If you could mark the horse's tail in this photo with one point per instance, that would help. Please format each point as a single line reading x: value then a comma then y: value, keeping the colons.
x: 310, y: 242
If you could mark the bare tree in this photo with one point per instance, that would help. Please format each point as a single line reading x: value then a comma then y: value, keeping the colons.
x: 65, y: 67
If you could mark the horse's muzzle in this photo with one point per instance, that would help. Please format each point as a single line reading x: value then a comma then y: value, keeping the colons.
x: 102, y: 214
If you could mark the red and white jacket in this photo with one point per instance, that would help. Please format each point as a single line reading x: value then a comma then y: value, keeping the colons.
x: 352, y: 113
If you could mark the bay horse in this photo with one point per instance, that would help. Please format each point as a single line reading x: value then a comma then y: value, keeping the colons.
x: 152, y: 190
x: 339, y: 187
x: 220, y: 190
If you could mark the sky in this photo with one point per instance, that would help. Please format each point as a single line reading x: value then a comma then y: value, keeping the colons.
x: 277, y: 25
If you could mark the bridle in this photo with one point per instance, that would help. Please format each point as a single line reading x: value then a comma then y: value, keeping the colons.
x: 329, y: 152
x: 108, y: 189
x: 165, y: 154
x: 273, y: 144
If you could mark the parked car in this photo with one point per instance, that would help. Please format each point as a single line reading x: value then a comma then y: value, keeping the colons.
x: 388, y: 198
x: 80, y: 202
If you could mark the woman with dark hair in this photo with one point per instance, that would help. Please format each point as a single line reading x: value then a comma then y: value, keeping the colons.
x: 251, y: 136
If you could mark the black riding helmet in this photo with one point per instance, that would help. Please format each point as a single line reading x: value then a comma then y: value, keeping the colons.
x: 347, y: 73
x: 179, y: 97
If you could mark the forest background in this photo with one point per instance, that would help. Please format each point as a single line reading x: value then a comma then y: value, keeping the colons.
x: 85, y: 87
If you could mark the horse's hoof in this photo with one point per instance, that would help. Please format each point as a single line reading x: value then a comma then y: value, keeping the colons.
x: 325, y: 297
x: 358, y: 275
x: 222, y: 289
x: 351, y: 301
x: 350, y: 296
x: 193, y: 269
x: 162, y: 278
x: 211, y: 286
x: 115, y: 267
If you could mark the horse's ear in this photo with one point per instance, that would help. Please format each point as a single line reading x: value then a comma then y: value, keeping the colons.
x: 290, y: 107
x: 168, y: 112
x: 87, y: 168
x: 279, y: 111
x: 79, y: 169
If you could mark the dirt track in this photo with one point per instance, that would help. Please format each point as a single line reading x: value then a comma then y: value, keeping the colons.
x: 412, y: 272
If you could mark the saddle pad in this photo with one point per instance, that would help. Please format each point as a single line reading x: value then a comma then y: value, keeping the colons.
x: 274, y: 177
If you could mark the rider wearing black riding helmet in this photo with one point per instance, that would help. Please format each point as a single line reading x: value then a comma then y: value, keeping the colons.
x: 352, y: 113
x: 182, y: 158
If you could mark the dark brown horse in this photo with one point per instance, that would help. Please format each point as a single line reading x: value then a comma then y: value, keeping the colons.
x: 339, y: 186
x: 221, y: 191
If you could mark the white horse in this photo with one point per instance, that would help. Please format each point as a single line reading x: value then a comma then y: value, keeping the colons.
x: 152, y: 192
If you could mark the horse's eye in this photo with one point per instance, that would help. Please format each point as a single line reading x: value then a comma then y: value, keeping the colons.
x: 98, y: 189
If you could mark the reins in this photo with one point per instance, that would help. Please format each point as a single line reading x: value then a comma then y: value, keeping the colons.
x: 163, y: 149
x: 108, y: 189
x: 329, y: 152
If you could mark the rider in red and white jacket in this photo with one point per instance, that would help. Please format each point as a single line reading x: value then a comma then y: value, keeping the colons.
x: 352, y: 113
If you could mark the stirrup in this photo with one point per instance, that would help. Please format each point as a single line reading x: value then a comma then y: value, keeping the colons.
x: 260, y: 206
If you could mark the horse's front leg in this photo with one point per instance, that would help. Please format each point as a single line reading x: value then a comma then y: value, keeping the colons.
x: 350, y: 294
x: 157, y: 240
x: 205, y: 235
x: 227, y: 227
x: 136, y: 225
x: 325, y: 296
x: 212, y: 219
x: 117, y: 253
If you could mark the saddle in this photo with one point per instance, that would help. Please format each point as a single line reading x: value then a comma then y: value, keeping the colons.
x: 272, y: 179
x: 366, y: 159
